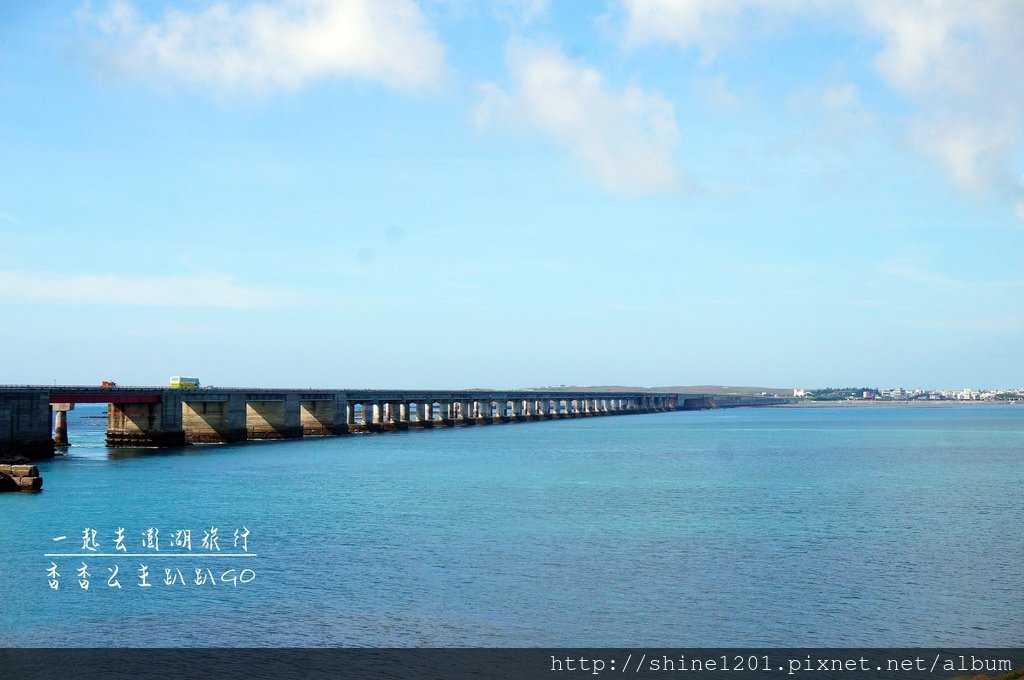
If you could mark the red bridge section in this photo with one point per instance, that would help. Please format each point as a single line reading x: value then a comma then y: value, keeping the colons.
x: 105, y: 396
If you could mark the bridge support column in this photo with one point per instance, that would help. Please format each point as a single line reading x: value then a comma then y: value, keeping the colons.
x: 25, y: 425
x: 373, y: 414
x: 160, y: 424
x: 274, y: 419
x: 466, y: 415
x: 342, y: 414
x: 216, y: 421
x: 447, y: 414
x: 388, y: 417
x: 317, y: 417
x: 393, y: 416
x: 60, y: 423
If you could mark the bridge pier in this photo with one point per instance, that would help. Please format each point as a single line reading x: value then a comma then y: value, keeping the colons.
x: 323, y: 417
x: 25, y: 425
x: 157, y: 424
x: 465, y: 413
x: 476, y: 411
x: 391, y: 416
x: 217, y: 419
x: 446, y: 415
x: 424, y: 415
x: 273, y: 417
x: 371, y: 416
x: 60, y: 423
x: 388, y: 417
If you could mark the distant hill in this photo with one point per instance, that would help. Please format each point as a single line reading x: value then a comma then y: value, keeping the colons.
x: 723, y: 389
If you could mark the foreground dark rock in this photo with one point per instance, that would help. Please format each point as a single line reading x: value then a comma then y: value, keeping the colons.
x: 20, y: 477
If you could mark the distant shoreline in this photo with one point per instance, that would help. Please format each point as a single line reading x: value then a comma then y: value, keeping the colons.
x: 895, y: 404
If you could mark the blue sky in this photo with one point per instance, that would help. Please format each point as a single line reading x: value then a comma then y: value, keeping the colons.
x: 447, y: 193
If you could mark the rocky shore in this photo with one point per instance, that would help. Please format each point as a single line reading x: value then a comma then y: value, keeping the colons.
x: 15, y: 477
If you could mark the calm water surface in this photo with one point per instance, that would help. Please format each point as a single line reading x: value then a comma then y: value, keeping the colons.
x: 760, y: 527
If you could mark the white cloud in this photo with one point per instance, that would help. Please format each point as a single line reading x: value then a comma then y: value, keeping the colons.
x: 625, y: 138
x: 521, y: 12
x: 708, y: 25
x: 958, y: 62
x: 262, y: 46
x: 207, y: 290
x: 840, y: 96
x: 717, y: 93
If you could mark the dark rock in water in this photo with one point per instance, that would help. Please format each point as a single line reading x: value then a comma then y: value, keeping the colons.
x: 20, y: 478
x: 29, y: 483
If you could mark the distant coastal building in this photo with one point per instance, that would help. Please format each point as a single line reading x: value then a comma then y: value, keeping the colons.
x: 800, y: 393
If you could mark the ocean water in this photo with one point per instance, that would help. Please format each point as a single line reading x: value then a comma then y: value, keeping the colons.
x: 759, y: 527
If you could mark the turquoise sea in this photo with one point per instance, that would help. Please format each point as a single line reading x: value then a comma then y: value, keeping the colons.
x: 743, y: 527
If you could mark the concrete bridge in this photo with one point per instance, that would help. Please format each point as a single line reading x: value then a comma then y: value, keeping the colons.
x: 33, y: 419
